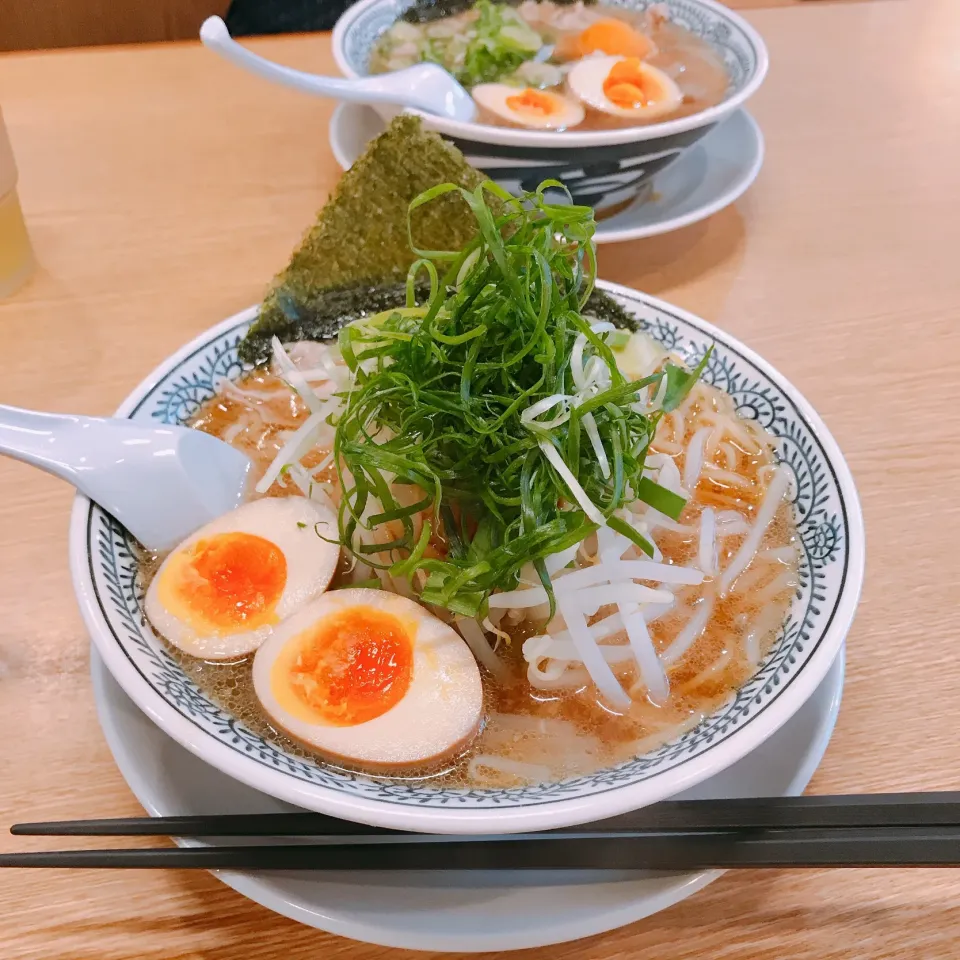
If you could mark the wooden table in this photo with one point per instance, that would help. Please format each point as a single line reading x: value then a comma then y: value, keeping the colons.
x: 163, y: 189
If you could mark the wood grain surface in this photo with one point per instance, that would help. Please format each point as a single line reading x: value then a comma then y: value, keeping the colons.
x: 162, y: 190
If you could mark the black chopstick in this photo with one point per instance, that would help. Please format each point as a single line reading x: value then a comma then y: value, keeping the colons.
x: 863, y: 810
x: 831, y: 847
x: 217, y: 825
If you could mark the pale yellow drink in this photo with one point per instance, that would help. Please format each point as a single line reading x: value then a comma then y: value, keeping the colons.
x: 16, y: 257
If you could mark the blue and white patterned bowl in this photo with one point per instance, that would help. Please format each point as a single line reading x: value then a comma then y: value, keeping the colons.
x: 603, y: 169
x: 831, y: 571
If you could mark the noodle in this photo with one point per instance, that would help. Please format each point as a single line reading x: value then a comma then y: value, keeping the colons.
x: 690, y: 633
x: 694, y: 461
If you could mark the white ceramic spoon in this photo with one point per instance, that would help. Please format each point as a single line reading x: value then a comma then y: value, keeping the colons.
x: 161, y: 483
x: 426, y: 86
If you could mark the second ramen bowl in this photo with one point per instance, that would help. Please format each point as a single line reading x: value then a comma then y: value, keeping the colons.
x: 831, y: 546
x: 603, y: 169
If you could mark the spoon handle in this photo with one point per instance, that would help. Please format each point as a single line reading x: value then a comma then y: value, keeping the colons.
x: 216, y: 37
x: 42, y: 440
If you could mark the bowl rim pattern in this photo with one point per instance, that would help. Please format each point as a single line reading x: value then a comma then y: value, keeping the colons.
x: 715, y: 743
x: 725, y: 20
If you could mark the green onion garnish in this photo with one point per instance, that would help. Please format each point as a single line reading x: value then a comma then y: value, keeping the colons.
x: 440, y: 389
x: 666, y: 501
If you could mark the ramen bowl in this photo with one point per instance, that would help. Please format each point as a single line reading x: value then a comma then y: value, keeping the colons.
x: 830, y: 539
x: 604, y: 169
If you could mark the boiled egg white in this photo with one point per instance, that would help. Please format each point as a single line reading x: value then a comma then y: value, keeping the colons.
x: 537, y: 109
x: 624, y: 87
x: 223, y: 591
x: 370, y: 677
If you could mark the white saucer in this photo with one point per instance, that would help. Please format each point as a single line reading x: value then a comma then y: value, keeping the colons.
x: 462, y: 912
x: 708, y: 177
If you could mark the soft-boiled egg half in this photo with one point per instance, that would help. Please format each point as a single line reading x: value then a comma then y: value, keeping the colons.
x: 537, y: 109
x: 370, y: 677
x: 222, y: 591
x: 624, y: 87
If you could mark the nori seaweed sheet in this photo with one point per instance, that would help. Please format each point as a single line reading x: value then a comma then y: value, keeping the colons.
x: 321, y: 316
x: 601, y: 306
x: 426, y: 11
x: 353, y: 260
x: 360, y: 235
x: 325, y: 314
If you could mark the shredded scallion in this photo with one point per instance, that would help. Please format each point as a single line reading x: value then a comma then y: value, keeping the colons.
x: 446, y: 397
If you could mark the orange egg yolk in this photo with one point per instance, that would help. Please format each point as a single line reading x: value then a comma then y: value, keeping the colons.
x: 533, y: 103
x: 615, y: 38
x: 349, y: 668
x: 626, y: 86
x: 226, y: 582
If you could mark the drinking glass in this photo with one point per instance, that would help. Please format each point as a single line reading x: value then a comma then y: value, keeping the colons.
x: 16, y: 256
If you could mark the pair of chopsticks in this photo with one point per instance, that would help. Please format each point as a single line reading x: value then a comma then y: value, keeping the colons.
x: 905, y: 830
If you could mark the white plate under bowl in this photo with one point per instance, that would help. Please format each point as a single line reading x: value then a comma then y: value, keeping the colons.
x: 461, y: 912
x: 708, y: 177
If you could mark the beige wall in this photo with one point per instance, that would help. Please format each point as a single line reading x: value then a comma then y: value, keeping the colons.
x: 33, y: 24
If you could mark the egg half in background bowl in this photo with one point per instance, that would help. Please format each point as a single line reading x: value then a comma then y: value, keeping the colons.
x: 526, y: 134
